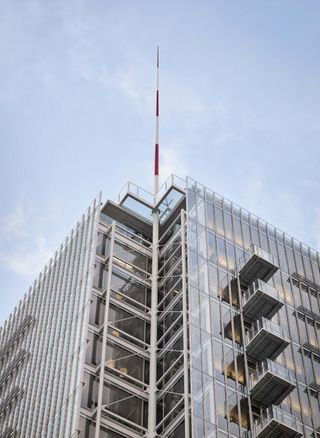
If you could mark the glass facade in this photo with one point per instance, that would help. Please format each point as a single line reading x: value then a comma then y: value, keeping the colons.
x: 236, y: 326
x: 234, y: 305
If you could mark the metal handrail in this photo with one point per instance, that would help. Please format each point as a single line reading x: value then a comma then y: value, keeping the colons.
x: 259, y: 285
x: 273, y: 367
x: 256, y: 250
x: 276, y: 413
x: 147, y: 196
x: 264, y: 323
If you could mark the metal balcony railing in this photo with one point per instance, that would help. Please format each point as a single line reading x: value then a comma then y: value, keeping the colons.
x: 261, y: 299
x: 257, y: 264
x: 133, y: 189
x: 271, y: 383
x: 265, y: 340
x: 275, y: 423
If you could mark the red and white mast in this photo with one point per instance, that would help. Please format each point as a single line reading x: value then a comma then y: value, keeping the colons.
x: 152, y: 407
x: 156, y: 155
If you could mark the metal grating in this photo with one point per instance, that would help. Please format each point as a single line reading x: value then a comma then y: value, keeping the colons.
x: 308, y: 313
x: 261, y: 304
x: 271, y: 390
x: 314, y: 387
x: 300, y: 278
x: 311, y: 348
x: 278, y: 430
x: 265, y: 345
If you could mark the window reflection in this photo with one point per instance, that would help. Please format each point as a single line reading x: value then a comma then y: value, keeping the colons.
x: 210, y: 216
x: 219, y: 221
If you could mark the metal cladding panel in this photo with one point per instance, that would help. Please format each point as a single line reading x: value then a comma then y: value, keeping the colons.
x: 56, y: 309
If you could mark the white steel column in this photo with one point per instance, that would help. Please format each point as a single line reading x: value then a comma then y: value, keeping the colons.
x: 152, y: 409
x: 105, y: 332
x: 185, y: 327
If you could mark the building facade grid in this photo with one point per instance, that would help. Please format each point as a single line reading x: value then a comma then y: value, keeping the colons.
x: 75, y: 354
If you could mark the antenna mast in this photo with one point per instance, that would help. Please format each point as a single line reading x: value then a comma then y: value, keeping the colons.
x: 156, y: 156
x: 152, y: 408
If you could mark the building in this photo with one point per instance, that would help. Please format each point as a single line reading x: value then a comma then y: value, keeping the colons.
x: 171, y: 316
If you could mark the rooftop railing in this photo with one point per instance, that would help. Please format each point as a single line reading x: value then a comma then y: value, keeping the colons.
x: 150, y: 198
x: 173, y: 180
x: 135, y: 190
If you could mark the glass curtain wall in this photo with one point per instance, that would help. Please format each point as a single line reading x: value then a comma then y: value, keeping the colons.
x: 219, y: 233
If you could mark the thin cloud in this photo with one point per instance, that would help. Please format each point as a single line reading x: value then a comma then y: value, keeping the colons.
x: 27, y: 263
x: 22, y: 249
x: 14, y: 224
x: 172, y: 161
x: 316, y: 229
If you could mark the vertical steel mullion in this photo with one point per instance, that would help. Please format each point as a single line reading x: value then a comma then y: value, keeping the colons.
x: 77, y: 311
x: 82, y: 311
x: 23, y: 379
x: 16, y: 320
x: 55, y: 406
x: 59, y: 342
x: 55, y: 341
x: 38, y: 351
x: 69, y: 322
x: 43, y: 364
x: 51, y: 346
x: 33, y: 341
x: 152, y: 407
x: 185, y: 328
x: 84, y: 325
x: 105, y: 332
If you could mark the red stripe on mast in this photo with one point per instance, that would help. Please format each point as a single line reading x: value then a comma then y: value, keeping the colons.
x: 156, y: 160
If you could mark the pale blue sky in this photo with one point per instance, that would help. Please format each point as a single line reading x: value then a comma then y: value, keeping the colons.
x: 239, y: 112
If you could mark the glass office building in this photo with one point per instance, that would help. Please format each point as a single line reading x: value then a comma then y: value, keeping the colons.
x: 179, y: 315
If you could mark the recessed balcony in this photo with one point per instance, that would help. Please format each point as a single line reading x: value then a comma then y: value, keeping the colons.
x: 265, y: 340
x: 271, y: 383
x: 259, y: 300
x: 257, y: 264
x: 234, y: 368
x: 276, y: 423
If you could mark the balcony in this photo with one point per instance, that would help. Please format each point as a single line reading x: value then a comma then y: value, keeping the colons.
x: 276, y: 423
x: 256, y: 264
x: 259, y: 300
x: 271, y: 383
x: 265, y: 340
